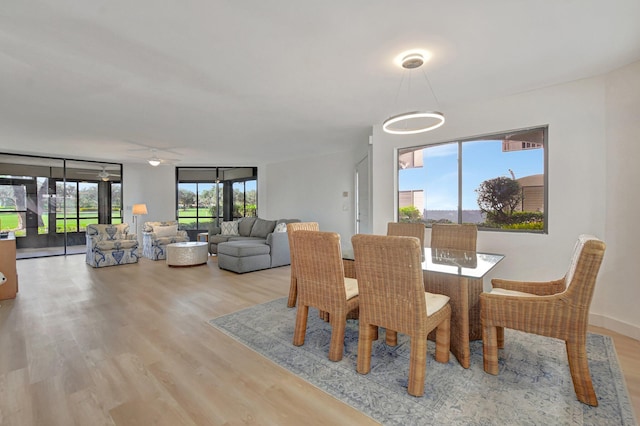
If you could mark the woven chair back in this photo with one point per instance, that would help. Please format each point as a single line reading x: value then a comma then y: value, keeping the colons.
x: 319, y: 270
x: 390, y: 283
x: 454, y: 236
x: 406, y: 229
x: 298, y: 226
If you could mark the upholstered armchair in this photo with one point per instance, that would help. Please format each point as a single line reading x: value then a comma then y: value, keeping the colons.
x: 109, y: 245
x: 157, y: 235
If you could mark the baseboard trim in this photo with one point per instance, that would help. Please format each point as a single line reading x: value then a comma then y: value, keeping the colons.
x: 618, y: 326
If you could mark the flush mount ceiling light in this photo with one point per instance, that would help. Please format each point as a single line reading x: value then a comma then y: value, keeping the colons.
x: 410, y: 123
x: 154, y: 160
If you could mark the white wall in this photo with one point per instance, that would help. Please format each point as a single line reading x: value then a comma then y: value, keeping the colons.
x: 580, y: 178
x: 312, y: 190
x: 153, y: 186
x: 619, y: 296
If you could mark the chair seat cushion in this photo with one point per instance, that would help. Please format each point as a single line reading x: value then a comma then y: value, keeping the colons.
x: 351, y: 287
x: 165, y: 231
x: 505, y: 292
x: 170, y: 240
x: 118, y: 244
x: 435, y: 302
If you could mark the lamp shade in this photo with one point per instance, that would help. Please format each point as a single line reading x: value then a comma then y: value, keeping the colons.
x: 139, y: 209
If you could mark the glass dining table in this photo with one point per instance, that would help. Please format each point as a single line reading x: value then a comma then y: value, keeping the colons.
x: 457, y: 274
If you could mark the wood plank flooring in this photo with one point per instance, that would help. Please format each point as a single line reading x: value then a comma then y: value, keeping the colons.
x: 130, y: 345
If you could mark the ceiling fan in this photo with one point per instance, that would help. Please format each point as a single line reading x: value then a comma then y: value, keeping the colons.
x: 155, y: 161
x: 102, y: 174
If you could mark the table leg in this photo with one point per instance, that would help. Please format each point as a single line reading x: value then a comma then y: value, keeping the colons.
x: 463, y: 297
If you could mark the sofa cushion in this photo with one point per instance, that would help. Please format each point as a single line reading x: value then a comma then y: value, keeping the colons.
x: 280, y: 227
x: 262, y: 228
x: 218, y: 238
x: 243, y: 248
x: 244, y: 226
x: 165, y: 231
x: 229, y: 228
x: 116, y: 244
x: 240, y: 238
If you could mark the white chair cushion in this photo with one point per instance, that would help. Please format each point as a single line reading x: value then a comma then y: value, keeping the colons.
x: 165, y: 231
x: 576, y: 255
x: 505, y: 292
x: 351, y: 287
x: 434, y: 302
x: 229, y: 228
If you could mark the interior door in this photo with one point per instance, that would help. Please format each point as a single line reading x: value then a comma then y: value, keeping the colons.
x: 363, y: 197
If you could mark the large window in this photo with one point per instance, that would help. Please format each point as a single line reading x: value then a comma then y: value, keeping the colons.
x: 244, y: 198
x: 48, y: 202
x: 116, y: 202
x: 199, y: 204
x: 496, y: 182
x: 80, y: 207
x: 207, y: 195
x: 13, y: 208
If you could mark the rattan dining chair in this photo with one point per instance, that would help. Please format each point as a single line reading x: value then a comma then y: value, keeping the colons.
x: 403, y: 229
x: 457, y: 237
x: 407, y: 229
x: 558, y: 309
x: 321, y: 284
x: 454, y: 236
x: 291, y: 228
x: 389, y: 271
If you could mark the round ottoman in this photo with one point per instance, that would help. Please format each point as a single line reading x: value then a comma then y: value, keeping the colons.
x: 187, y: 254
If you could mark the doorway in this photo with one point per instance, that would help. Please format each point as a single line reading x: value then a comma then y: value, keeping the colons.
x: 363, y: 196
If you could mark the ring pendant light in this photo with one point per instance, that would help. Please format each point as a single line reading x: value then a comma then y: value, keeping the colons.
x: 414, y: 122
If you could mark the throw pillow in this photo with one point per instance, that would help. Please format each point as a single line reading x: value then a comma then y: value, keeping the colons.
x: 281, y: 227
x: 262, y: 228
x: 229, y: 228
x: 165, y: 231
x: 245, y: 224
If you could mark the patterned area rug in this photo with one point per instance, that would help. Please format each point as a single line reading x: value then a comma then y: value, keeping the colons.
x: 534, y: 385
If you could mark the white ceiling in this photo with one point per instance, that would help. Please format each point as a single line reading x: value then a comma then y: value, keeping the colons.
x: 247, y: 82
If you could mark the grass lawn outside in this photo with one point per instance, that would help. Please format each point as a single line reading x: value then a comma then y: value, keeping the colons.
x: 11, y: 222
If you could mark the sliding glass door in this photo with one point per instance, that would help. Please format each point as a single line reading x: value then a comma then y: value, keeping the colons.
x: 47, y: 202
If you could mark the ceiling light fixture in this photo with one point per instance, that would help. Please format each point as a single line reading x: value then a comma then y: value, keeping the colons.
x: 410, y: 123
x: 155, y: 162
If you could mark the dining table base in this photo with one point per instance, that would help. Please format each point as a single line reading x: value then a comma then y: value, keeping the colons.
x: 464, y: 298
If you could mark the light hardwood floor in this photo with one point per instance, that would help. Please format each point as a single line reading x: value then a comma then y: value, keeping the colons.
x: 130, y: 345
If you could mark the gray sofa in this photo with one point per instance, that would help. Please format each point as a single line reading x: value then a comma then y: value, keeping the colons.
x: 258, y: 244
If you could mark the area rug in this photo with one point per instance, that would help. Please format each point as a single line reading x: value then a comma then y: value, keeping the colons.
x: 533, y: 388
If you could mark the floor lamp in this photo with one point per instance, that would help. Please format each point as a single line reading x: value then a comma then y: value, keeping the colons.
x: 138, y: 209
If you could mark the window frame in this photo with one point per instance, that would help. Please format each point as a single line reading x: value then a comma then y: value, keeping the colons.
x: 495, y: 136
x: 226, y: 178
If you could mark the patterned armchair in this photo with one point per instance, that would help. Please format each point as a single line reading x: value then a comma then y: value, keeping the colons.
x: 157, y: 235
x: 109, y: 245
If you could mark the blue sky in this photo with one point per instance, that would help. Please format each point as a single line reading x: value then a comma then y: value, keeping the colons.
x: 481, y: 161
